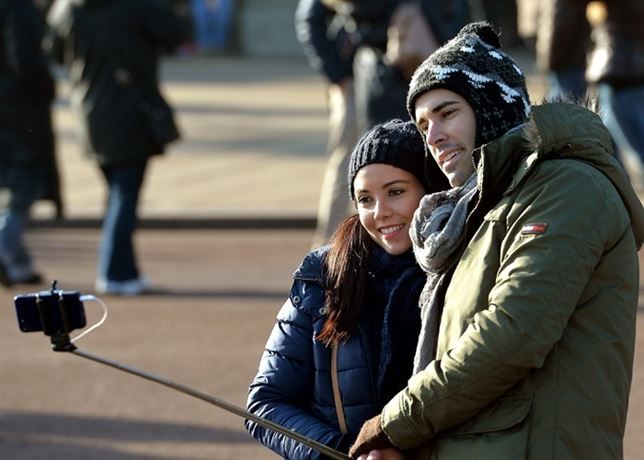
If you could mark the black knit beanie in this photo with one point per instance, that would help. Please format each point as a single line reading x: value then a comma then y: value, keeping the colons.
x: 473, y: 66
x: 397, y: 143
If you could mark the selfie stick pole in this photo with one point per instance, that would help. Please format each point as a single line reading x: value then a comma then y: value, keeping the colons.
x: 61, y: 342
x: 324, y: 449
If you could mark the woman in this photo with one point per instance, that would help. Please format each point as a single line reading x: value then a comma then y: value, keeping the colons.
x: 344, y: 341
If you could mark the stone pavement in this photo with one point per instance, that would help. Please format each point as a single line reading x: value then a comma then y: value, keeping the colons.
x: 214, y: 299
x: 252, y: 153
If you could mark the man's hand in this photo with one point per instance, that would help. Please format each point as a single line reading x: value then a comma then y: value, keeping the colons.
x: 385, y: 454
x: 371, y: 437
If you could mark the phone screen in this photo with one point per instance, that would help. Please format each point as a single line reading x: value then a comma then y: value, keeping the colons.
x: 30, y: 319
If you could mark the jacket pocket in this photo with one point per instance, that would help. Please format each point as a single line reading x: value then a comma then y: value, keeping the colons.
x: 500, y: 431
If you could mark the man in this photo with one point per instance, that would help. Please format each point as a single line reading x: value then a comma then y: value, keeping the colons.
x: 111, y: 48
x: 526, y: 348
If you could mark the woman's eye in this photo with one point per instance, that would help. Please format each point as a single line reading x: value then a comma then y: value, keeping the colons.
x: 396, y: 192
x: 364, y: 199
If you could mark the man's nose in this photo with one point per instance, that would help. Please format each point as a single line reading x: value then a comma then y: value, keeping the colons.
x: 435, y: 134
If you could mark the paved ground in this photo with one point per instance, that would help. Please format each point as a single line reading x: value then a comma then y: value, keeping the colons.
x: 215, y: 298
x: 254, y: 135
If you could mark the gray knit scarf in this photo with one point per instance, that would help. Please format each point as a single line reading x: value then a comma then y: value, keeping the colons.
x: 437, y: 231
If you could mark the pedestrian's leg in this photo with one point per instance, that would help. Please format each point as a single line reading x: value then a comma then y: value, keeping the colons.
x: 15, y: 262
x: 622, y: 111
x: 335, y: 205
x: 16, y: 265
x: 568, y: 82
x: 117, y: 260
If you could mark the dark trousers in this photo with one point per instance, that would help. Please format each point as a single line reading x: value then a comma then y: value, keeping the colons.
x: 117, y: 260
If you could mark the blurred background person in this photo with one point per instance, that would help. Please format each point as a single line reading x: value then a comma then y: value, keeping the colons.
x: 599, y: 47
x: 350, y: 43
x: 211, y: 23
x: 380, y: 85
x: 28, y: 169
x: 112, y: 48
x: 330, y: 51
x: 615, y: 71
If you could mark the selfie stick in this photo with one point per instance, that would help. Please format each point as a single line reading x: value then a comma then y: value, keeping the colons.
x: 322, y: 448
x: 61, y: 342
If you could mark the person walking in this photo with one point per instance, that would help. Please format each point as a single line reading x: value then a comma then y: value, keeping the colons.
x: 330, y: 50
x: 344, y: 340
x: 599, y: 47
x: 351, y: 44
x: 124, y: 117
x: 28, y: 169
x: 529, y: 310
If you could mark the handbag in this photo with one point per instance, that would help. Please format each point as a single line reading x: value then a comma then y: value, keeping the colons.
x: 409, y: 38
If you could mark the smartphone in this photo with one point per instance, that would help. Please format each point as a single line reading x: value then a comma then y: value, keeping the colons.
x: 48, y: 318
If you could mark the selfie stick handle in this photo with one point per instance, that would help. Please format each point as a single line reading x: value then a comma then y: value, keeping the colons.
x: 322, y: 448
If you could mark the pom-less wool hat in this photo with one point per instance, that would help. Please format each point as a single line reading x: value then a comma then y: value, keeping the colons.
x: 472, y: 65
x: 396, y: 143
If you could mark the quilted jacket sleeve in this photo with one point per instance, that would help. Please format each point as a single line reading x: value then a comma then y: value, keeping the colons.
x: 283, y: 388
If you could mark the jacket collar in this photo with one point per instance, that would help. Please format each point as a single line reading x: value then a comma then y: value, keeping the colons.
x: 555, y: 130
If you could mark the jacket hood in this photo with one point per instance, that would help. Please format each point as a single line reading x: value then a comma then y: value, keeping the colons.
x: 311, y: 267
x: 569, y: 130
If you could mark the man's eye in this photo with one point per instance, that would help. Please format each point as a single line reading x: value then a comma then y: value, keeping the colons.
x: 447, y: 113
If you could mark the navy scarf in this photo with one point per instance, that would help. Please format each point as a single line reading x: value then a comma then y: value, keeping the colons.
x: 394, y: 286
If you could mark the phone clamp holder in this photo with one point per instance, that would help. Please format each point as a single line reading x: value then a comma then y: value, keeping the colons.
x: 60, y: 340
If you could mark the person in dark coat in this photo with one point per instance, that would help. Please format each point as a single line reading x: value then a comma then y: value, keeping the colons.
x: 28, y: 170
x: 111, y: 48
x: 329, y: 50
x: 599, y: 47
x: 344, y: 340
x: 380, y: 87
x: 347, y: 41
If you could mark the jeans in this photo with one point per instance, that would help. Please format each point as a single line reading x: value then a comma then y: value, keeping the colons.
x: 14, y: 215
x: 13, y: 251
x: 211, y: 20
x: 569, y: 82
x: 623, y: 115
x: 117, y: 261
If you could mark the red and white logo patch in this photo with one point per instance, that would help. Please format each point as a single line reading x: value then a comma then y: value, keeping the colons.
x: 534, y: 228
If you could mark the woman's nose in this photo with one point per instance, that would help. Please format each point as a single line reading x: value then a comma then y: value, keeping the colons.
x: 381, y: 209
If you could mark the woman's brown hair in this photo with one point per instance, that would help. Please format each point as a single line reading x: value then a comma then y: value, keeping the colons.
x: 345, y: 276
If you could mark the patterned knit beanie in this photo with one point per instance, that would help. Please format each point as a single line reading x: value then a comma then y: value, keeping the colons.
x: 473, y: 66
x: 399, y: 144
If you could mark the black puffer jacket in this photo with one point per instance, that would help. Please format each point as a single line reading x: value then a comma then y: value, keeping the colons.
x: 115, y: 75
x: 26, y: 92
x: 293, y: 384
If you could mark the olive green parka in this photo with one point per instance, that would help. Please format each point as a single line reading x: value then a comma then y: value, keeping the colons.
x: 535, y: 347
